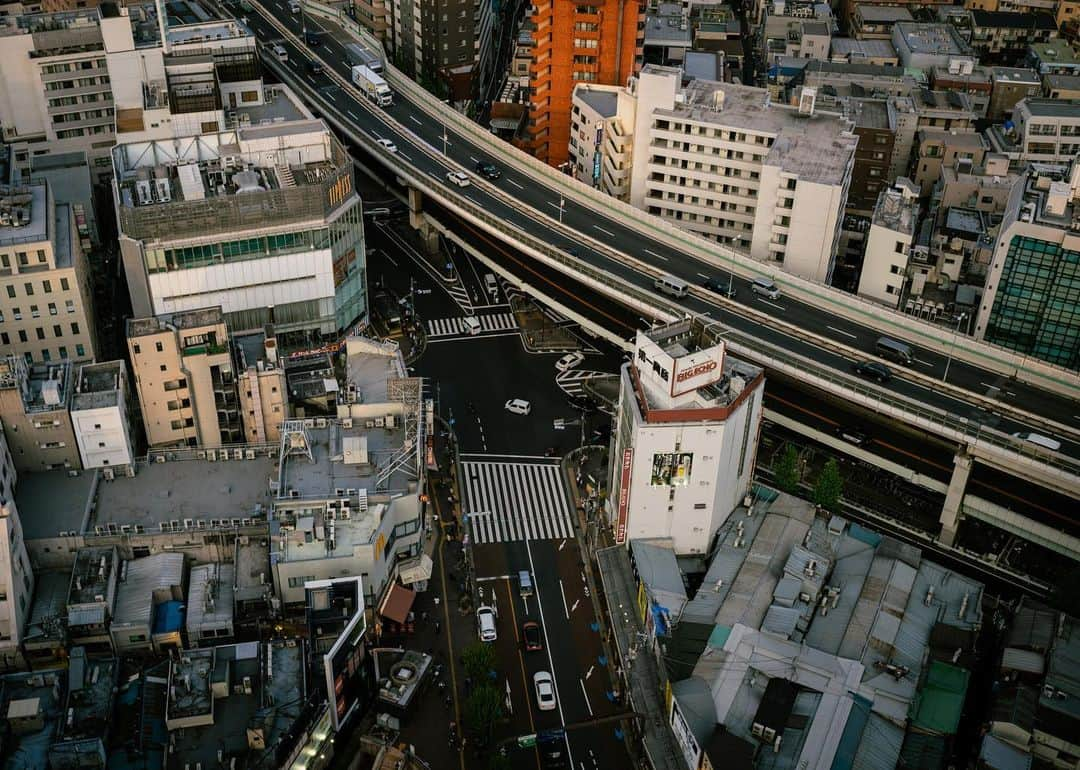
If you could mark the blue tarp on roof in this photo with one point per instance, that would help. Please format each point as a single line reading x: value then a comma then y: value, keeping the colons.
x: 168, y: 617
x: 864, y: 535
x: 719, y: 636
x: 844, y: 758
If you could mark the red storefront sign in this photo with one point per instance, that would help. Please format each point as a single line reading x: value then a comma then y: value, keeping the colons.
x: 624, y: 495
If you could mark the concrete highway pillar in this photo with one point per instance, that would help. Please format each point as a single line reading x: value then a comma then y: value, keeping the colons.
x: 954, y: 498
x: 416, y: 214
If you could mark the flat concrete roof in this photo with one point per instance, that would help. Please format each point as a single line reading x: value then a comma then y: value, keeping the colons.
x: 604, y: 102
x: 51, y: 502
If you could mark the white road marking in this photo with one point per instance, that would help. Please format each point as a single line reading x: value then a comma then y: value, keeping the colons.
x: 605, y: 232
x: 406, y: 157
x: 702, y: 275
x: 586, y: 695
x: 589, y: 672
x: 353, y: 115
x: 658, y: 256
x: 575, y: 604
x: 840, y: 331
x: 773, y: 304
x: 515, y: 184
x: 561, y: 591
x: 920, y: 361
x: 414, y: 120
x: 474, y: 160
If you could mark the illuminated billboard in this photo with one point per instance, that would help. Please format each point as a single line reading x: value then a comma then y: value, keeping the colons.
x: 671, y: 469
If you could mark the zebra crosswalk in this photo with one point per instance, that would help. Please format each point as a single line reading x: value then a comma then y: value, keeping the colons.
x: 509, y: 501
x: 450, y: 327
x: 572, y: 382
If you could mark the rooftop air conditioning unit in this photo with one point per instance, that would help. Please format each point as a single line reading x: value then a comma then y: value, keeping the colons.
x: 346, y: 423
x: 211, y: 455
x: 108, y: 473
x: 249, y: 454
x: 159, y: 459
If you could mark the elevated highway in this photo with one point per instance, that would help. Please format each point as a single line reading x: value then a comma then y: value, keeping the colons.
x: 813, y: 334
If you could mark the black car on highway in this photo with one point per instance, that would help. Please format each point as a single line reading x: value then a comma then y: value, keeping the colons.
x: 722, y: 286
x: 488, y: 170
x: 872, y: 370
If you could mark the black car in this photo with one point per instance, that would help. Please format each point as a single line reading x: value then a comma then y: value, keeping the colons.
x: 313, y: 39
x: 723, y: 287
x: 315, y: 67
x: 872, y: 370
x: 489, y: 170
x: 851, y: 435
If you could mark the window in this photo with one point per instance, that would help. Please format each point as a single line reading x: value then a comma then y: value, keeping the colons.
x: 136, y: 348
x: 63, y: 352
x: 69, y: 305
x: 11, y: 291
x: 64, y: 284
x: 47, y: 286
x: 74, y: 328
x: 298, y: 582
x: 29, y: 287
x: 40, y: 333
x: 4, y: 338
x: 80, y: 351
x: 34, y: 312
x: 158, y: 347
x: 900, y: 247
x: 22, y: 335
x: 58, y: 330
x: 164, y: 367
x: 46, y: 355
x: 52, y: 308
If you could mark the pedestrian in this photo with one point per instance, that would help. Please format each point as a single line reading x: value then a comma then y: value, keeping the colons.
x: 423, y: 616
x: 436, y: 602
x: 438, y: 627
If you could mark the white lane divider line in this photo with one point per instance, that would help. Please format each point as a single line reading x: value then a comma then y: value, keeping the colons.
x: 608, y: 233
x: 840, y: 331
x: 658, y: 256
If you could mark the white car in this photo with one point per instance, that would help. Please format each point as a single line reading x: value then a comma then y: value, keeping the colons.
x: 518, y: 406
x: 569, y: 361
x: 458, y: 178
x: 386, y: 144
x: 545, y: 690
x: 485, y: 624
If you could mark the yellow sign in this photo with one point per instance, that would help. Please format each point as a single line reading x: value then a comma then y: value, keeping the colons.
x: 380, y: 546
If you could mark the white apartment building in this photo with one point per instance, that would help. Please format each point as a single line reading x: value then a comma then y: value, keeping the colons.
x: 16, y: 575
x: 1047, y: 130
x: 724, y: 162
x: 46, y: 310
x: 260, y: 220
x: 685, y: 439
x: 99, y: 416
x: 888, y: 244
x: 601, y: 139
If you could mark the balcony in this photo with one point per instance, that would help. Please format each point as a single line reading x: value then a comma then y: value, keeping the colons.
x: 205, y: 350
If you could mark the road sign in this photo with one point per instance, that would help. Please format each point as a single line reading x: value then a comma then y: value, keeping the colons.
x: 560, y: 424
x: 526, y: 741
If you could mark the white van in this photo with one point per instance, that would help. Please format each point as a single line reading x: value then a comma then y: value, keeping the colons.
x: 672, y: 286
x: 1039, y: 440
x: 280, y: 52
x: 485, y: 624
x: 765, y: 288
x: 472, y: 325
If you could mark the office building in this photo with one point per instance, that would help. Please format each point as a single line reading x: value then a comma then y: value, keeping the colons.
x: 1041, y: 131
x: 888, y: 244
x: 685, y: 437
x: 764, y: 171
x: 264, y: 400
x: 99, y: 416
x: 264, y: 222
x: 55, y: 95
x: 1031, y: 301
x: 596, y: 42
x: 46, y: 308
x: 873, y: 154
x: 35, y: 402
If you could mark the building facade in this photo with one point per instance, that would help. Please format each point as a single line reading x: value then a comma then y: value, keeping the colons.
x: 46, y: 308
x: 35, y: 404
x: 99, y: 416
x: 600, y: 41
x: 685, y: 437
x: 16, y: 575
x: 1031, y: 301
x: 888, y: 244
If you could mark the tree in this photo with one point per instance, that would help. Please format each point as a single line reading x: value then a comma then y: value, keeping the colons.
x: 829, y: 487
x: 483, y: 708
x: 478, y: 660
x: 786, y: 469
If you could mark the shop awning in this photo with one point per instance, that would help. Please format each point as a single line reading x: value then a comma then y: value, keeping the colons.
x: 416, y: 569
x: 397, y: 603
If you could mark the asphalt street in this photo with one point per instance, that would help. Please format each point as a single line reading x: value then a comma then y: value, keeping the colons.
x: 434, y: 149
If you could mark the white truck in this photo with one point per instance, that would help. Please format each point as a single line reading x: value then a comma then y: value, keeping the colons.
x: 372, y: 85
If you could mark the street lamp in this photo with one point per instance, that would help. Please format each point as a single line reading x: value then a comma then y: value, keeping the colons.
x: 952, y: 347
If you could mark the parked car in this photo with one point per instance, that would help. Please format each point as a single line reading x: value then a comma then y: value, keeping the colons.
x: 545, y: 691
x: 518, y: 406
x: 872, y: 370
x: 569, y: 361
x: 458, y: 178
x: 725, y: 287
x: 488, y: 170
x: 530, y: 632
x: 386, y: 144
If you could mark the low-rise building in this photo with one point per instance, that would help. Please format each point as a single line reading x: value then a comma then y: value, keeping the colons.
x: 873, y: 154
x: 875, y: 22
x: 1006, y: 35
x: 977, y: 85
x: 1061, y: 87
x: 91, y: 598
x: 17, y: 579
x: 888, y: 244
x: 939, y: 149
x: 261, y: 387
x: 1041, y: 131
x: 148, y: 613
x: 35, y: 407
x: 1057, y: 57
x: 46, y: 309
x: 210, y: 604
x: 1027, y: 304
x: 685, y: 437
x: 99, y: 416
x: 1008, y: 85
x: 45, y: 641
x: 877, y: 52
x: 601, y: 142
x: 928, y: 45
x: 83, y: 735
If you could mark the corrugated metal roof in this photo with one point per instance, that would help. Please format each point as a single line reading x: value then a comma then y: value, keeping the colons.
x: 135, y: 594
x: 86, y: 616
x: 659, y: 571
x: 941, y: 701
x: 216, y: 580
x: 1022, y: 660
x: 996, y: 754
x: 696, y: 703
x: 1032, y: 627
x: 780, y: 621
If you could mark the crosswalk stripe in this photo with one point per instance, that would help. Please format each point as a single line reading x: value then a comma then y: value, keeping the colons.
x: 519, y: 501
x: 491, y: 322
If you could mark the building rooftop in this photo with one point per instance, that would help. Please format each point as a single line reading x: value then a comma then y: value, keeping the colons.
x: 667, y: 26
x: 51, y: 502
x: 91, y: 687
x: 814, y: 145
x: 141, y: 579
x: 372, y: 368
x: 404, y: 679
x: 933, y: 38
x: 185, y: 319
x: 1057, y: 52
x: 856, y: 50
x: 49, y: 609
x: 43, y: 387
x: 1012, y: 20
x: 970, y: 224
x: 97, y: 386
x: 883, y: 13
x: 221, y: 699
x: 1051, y: 108
x: 187, y: 494
x: 870, y: 113
x: 604, y: 100
x: 210, y: 595
x: 947, y: 101
x: 23, y: 214
x: 92, y: 578
x: 29, y: 700
x: 1018, y: 75
x: 896, y: 211
x: 1064, y: 82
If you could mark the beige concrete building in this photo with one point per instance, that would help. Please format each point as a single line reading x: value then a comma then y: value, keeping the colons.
x: 45, y: 297
x: 34, y: 406
x: 944, y: 149
x: 99, y: 416
x: 184, y: 378
x: 264, y: 401
x: 16, y: 576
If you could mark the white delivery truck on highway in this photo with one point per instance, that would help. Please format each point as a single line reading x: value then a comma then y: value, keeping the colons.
x: 372, y: 85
